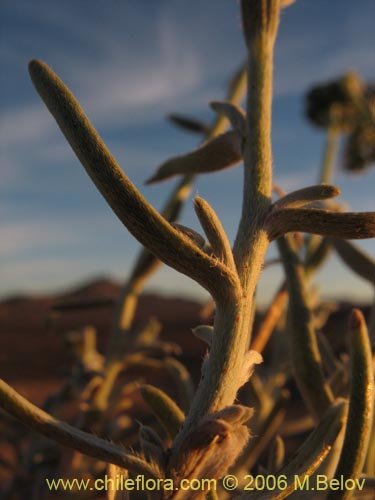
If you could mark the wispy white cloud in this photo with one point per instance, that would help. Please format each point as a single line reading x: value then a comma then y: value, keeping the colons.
x: 39, y: 252
x: 126, y: 76
x: 37, y: 274
x: 23, y: 126
x: 114, y: 90
x: 22, y: 236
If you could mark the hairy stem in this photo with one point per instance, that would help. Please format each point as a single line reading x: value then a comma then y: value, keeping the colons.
x: 251, y: 241
x: 230, y: 340
x: 65, y: 434
x: 147, y: 263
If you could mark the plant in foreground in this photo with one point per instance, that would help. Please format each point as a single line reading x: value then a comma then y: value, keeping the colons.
x: 214, y: 433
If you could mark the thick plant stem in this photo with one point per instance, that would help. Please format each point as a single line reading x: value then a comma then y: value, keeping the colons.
x: 270, y: 319
x: 65, y: 434
x: 230, y: 340
x: 257, y: 157
x: 219, y: 386
x: 347, y: 225
x: 147, y: 263
x: 252, y: 241
x: 214, y: 231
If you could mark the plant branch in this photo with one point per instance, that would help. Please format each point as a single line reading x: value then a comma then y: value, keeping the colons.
x: 306, y: 195
x: 226, y: 363
x: 64, y: 434
x: 215, y: 232
x: 141, y: 219
x: 260, y: 22
x: 349, y: 225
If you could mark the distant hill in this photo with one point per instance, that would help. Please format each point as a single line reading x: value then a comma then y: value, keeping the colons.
x: 32, y: 354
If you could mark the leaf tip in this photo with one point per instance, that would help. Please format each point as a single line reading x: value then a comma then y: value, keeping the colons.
x: 150, y: 180
x: 356, y: 320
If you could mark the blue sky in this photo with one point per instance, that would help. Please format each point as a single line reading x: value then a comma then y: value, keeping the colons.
x: 131, y: 62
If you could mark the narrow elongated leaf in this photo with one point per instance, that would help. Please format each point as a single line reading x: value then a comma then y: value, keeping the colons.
x: 188, y: 123
x: 126, y: 201
x: 309, y: 456
x: 215, y: 232
x: 190, y: 233
x: 237, y: 85
x: 306, y: 360
x: 361, y: 405
x: 270, y: 319
x: 234, y: 113
x: 164, y: 408
x: 349, y: 225
x: 147, y: 263
x: 318, y: 255
x: 276, y: 455
x: 61, y: 432
x: 266, y: 431
x: 358, y: 261
x: 306, y: 196
x: 219, y: 153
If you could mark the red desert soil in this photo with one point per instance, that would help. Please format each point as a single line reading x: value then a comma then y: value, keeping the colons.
x: 33, y: 357
x: 34, y: 360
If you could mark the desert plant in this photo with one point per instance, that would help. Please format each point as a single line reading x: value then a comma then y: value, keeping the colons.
x: 213, y: 436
